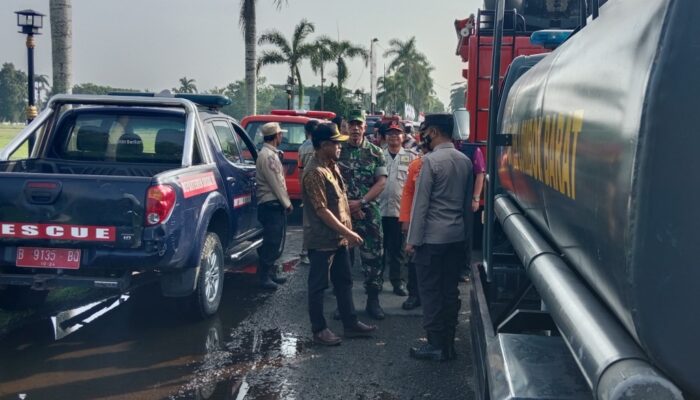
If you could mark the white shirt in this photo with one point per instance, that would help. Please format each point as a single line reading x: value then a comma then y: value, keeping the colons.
x: 390, y: 199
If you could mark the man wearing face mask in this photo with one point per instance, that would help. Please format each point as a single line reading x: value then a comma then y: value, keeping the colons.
x: 437, y: 234
x: 363, y: 167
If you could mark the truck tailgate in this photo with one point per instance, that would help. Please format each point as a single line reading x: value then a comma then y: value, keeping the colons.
x: 57, y: 209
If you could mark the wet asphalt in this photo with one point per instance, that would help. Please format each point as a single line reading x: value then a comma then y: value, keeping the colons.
x: 141, y: 346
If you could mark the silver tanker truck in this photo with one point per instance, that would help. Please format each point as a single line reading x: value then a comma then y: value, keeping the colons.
x: 590, y: 284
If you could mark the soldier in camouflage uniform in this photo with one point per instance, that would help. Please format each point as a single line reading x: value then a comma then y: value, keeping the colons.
x: 363, y: 168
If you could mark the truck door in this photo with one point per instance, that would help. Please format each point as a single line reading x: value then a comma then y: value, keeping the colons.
x: 238, y: 176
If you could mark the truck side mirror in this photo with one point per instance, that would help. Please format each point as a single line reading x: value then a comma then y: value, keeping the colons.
x: 461, y: 124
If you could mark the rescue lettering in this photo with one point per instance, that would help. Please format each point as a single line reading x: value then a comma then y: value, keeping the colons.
x: 194, y: 185
x: 18, y: 230
x: 544, y: 148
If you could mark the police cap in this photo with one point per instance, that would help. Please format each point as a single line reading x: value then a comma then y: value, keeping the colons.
x: 444, y: 121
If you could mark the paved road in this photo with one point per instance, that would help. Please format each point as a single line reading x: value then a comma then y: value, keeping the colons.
x: 257, y: 347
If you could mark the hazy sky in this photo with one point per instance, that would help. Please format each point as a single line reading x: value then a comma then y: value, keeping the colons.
x: 152, y: 43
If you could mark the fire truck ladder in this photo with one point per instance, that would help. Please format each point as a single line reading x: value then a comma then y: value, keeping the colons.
x: 485, y: 27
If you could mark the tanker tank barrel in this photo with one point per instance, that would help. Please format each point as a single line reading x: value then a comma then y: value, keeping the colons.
x: 610, y: 360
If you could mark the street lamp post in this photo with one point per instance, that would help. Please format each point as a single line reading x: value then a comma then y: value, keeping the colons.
x: 358, y: 99
x: 289, y: 88
x: 30, y: 22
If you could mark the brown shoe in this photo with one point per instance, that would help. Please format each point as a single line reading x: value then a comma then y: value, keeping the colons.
x: 326, y: 338
x: 359, y: 330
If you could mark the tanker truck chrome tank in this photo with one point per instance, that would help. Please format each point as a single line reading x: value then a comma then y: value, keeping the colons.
x: 597, y: 177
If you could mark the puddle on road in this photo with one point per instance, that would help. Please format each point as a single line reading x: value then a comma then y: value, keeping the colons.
x: 246, y: 367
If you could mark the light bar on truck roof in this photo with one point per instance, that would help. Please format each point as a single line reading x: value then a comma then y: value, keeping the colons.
x: 206, y: 100
x: 550, y: 38
x: 305, y: 113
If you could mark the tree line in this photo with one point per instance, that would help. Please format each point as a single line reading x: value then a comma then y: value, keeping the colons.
x: 406, y: 80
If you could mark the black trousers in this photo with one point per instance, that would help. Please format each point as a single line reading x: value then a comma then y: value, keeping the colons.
x: 438, y: 267
x: 274, y: 222
x: 336, y: 264
x: 412, y: 284
x: 393, y: 249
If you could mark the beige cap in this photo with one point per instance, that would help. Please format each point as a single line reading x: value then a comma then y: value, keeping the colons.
x: 271, y: 129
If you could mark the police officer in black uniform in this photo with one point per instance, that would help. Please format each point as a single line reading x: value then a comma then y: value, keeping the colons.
x: 437, y: 234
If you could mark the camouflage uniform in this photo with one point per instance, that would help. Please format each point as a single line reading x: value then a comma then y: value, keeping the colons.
x: 360, y: 167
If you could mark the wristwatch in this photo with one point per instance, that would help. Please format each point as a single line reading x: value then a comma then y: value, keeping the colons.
x: 476, y: 198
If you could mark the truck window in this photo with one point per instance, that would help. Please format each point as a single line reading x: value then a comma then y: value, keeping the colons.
x: 122, y: 137
x: 227, y: 140
x: 291, y: 140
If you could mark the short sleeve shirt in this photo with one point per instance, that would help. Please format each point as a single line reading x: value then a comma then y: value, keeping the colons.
x: 323, y: 187
x: 360, y: 167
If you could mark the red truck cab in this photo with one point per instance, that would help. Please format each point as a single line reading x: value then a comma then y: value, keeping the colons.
x: 293, y: 122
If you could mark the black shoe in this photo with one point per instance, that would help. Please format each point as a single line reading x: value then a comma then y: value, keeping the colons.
x: 464, y: 277
x: 432, y: 351
x: 278, y: 279
x: 359, y: 330
x: 267, y: 284
x: 400, y: 290
x: 373, y: 309
x: 411, y: 303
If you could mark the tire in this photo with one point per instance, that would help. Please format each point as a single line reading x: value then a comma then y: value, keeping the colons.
x: 16, y: 298
x: 210, y: 281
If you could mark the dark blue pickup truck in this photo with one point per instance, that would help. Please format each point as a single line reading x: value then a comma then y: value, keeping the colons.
x: 117, y: 186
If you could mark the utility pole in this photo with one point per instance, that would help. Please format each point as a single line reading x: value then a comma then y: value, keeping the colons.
x: 372, y: 76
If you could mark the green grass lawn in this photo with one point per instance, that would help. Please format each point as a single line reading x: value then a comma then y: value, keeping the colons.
x: 7, y: 133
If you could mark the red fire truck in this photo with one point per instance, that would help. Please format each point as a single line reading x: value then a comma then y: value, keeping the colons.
x: 475, y: 36
x: 293, y: 122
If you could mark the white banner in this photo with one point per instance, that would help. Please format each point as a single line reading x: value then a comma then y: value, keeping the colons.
x: 409, y: 112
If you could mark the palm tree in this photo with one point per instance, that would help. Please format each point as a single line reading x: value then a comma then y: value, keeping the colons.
x: 186, y: 86
x: 320, y: 56
x: 413, y: 69
x: 404, y: 53
x: 288, y: 53
x: 343, y: 50
x: 61, y: 38
x: 42, y: 85
x: 248, y: 24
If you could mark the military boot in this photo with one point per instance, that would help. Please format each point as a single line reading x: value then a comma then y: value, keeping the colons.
x: 373, y: 308
x: 265, y: 282
x: 275, y: 276
x: 433, y: 350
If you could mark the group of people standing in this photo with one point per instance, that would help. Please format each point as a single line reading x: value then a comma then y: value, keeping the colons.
x: 397, y: 206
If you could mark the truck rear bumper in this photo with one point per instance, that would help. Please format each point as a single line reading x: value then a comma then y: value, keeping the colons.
x: 51, y: 281
x: 102, y: 258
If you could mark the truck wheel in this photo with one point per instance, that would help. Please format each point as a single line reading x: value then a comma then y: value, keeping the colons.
x: 210, y: 282
x: 17, y: 298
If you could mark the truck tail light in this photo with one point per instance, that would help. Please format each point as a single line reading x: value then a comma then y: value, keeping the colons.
x: 160, y: 202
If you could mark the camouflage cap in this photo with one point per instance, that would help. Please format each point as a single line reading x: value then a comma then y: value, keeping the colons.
x: 357, y: 115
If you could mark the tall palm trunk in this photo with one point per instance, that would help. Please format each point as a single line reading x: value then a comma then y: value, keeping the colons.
x: 322, y: 79
x: 61, y: 45
x: 250, y: 57
x: 300, y: 89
